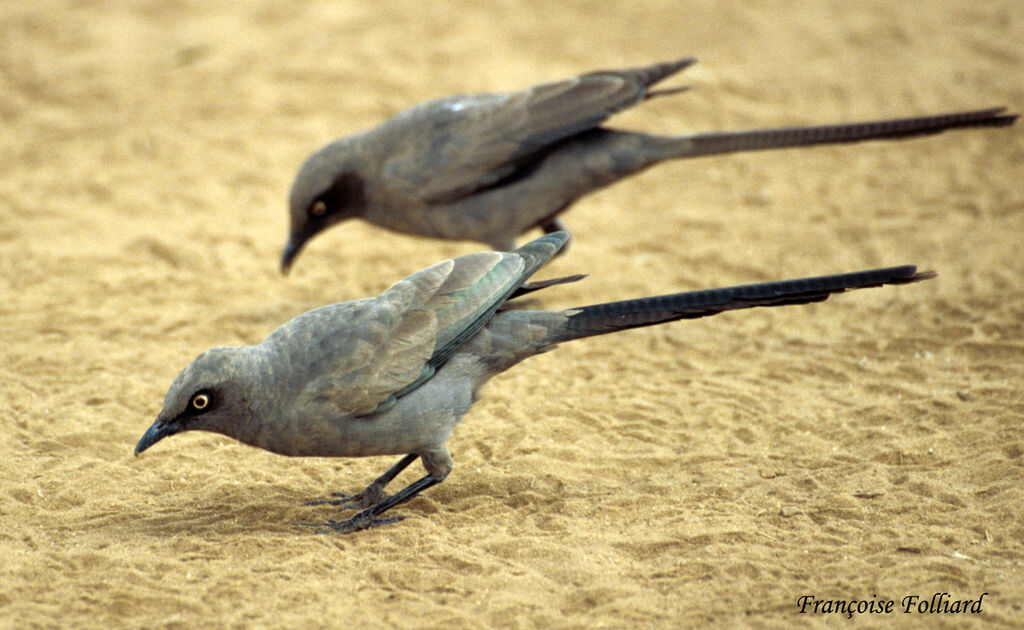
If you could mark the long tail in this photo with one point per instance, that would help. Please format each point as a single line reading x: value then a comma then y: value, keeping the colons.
x: 755, y: 139
x: 599, y: 319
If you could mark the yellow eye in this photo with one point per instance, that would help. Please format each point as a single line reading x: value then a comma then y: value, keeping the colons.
x: 318, y: 209
x: 200, y: 402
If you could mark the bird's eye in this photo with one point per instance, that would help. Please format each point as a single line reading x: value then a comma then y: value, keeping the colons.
x: 200, y: 402
x: 318, y: 209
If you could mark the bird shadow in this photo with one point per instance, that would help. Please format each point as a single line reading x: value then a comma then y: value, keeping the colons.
x: 262, y: 511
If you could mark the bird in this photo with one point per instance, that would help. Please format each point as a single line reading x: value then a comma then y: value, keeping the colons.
x: 395, y: 374
x: 490, y: 167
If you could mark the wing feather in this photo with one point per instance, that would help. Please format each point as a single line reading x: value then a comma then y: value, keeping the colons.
x: 375, y: 350
x: 466, y: 143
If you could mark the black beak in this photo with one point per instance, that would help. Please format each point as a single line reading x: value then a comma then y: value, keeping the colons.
x: 158, y: 431
x: 291, y: 250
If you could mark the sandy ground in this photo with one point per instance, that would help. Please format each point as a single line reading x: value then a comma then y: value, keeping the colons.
x: 709, y: 472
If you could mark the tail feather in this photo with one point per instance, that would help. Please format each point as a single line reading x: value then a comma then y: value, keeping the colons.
x: 529, y: 287
x: 599, y: 319
x: 750, y: 140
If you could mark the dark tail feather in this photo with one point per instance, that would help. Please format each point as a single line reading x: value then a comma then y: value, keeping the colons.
x: 529, y: 287
x: 613, y: 316
x: 728, y: 142
x: 666, y: 92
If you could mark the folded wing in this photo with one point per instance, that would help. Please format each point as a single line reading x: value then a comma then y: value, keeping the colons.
x: 471, y: 142
x: 380, y: 349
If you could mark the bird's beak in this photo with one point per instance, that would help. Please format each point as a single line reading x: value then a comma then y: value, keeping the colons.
x: 158, y: 431
x: 291, y: 250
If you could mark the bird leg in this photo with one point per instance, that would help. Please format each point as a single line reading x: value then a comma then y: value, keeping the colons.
x: 438, y: 463
x: 371, y: 494
x: 368, y: 517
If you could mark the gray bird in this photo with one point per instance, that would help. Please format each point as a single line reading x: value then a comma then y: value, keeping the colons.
x: 489, y: 167
x: 394, y: 374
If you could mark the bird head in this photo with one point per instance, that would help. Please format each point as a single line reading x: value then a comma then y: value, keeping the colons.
x: 327, y: 190
x: 206, y: 396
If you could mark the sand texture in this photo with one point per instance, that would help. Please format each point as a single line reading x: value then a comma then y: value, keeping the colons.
x: 699, y: 473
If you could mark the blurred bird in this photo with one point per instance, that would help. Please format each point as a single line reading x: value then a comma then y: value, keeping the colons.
x: 490, y: 167
x: 395, y: 374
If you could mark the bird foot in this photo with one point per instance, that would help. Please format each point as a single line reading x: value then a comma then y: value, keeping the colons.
x: 371, y: 495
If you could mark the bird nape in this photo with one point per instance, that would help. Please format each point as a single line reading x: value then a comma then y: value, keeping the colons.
x: 394, y: 374
x: 491, y: 167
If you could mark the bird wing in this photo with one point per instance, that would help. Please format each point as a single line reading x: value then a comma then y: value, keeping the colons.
x: 388, y: 346
x: 465, y: 143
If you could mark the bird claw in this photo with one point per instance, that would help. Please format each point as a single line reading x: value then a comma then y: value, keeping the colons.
x: 343, y: 500
x: 368, y: 497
